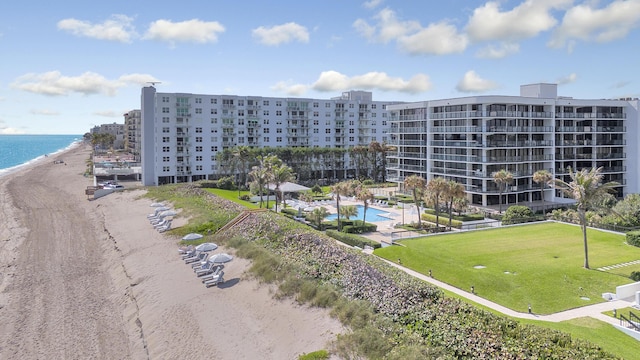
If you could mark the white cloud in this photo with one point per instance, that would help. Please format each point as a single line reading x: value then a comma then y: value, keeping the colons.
x: 372, y: 4
x: 387, y: 28
x: 281, y: 34
x: 10, y: 131
x: 335, y: 81
x: 108, y: 113
x: 117, y: 28
x: 364, y: 29
x: 53, y: 83
x: 567, y: 79
x: 473, y: 83
x: 498, y: 52
x: 524, y: 21
x: 289, y: 88
x: 621, y: 84
x: 185, y: 31
x: 436, y: 39
x: 583, y: 22
x: 45, y: 112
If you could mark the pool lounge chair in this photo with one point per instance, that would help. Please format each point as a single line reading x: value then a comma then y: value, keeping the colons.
x: 215, y: 271
x: 201, y: 256
x: 164, y: 227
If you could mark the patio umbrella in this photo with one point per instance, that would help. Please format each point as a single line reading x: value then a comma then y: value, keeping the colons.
x: 220, y: 258
x: 156, y: 205
x: 206, y: 247
x: 167, y: 213
x: 191, y: 237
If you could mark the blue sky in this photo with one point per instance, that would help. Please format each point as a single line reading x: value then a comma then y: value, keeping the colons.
x: 70, y: 65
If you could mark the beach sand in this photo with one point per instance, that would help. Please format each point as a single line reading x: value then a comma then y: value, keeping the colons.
x: 83, y: 279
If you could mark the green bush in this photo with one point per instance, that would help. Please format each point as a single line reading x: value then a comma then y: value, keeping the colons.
x: 518, y: 214
x: 635, y: 276
x: 633, y: 238
x: 289, y: 211
x: 245, y: 197
x: 359, y: 228
x: 316, y: 355
x: 352, y: 239
x: 226, y: 183
x: 444, y: 220
x: 464, y: 217
x: 368, y: 182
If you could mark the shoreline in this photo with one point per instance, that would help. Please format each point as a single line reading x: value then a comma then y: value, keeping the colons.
x: 93, y: 279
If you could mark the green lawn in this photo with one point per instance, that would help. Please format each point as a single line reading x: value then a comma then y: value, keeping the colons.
x: 538, y: 264
x: 232, y: 195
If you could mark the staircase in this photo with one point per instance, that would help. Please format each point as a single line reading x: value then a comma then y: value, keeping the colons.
x: 631, y: 322
x: 240, y: 218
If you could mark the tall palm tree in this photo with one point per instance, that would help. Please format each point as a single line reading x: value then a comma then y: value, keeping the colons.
x: 436, y: 188
x: 366, y: 196
x: 242, y: 155
x: 417, y: 185
x: 454, y: 191
x: 587, y: 189
x: 502, y: 178
x: 317, y: 215
x: 280, y: 174
x: 542, y: 177
x: 343, y: 188
x: 260, y: 177
x: 348, y: 211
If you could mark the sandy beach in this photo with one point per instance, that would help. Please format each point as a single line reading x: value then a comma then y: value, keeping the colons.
x: 84, y: 279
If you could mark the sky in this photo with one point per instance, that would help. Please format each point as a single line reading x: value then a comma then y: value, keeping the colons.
x: 69, y: 65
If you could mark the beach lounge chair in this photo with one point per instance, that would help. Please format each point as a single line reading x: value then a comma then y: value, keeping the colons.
x: 217, y: 279
x: 214, y: 272
x: 186, y: 249
x: 201, y: 256
x: 206, y: 268
x: 164, y: 227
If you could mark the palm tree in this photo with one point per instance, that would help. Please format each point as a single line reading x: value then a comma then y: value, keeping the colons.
x: 241, y: 155
x: 260, y: 176
x: 366, y: 196
x: 317, y: 215
x: 542, y: 177
x: 502, y: 178
x: 436, y: 188
x: 454, y: 191
x: 348, y: 211
x: 587, y: 189
x: 340, y: 189
x: 417, y: 185
x: 280, y: 174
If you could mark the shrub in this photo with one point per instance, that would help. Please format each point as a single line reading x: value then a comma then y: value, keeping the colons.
x: 368, y: 182
x: 226, y: 183
x: 316, y: 355
x: 316, y: 189
x: 518, y: 214
x: 245, y: 197
x: 289, y: 211
x: 444, y: 220
x: 635, y: 276
x: 359, y: 228
x: 633, y: 238
x: 352, y: 239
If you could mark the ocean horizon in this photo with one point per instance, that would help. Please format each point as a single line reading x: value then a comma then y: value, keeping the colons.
x: 17, y: 151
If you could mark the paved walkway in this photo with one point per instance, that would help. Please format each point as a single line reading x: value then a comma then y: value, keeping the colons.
x: 594, y: 311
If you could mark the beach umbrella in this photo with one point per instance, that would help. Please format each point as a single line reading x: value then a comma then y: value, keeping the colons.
x: 191, y: 237
x: 206, y: 247
x: 156, y: 205
x: 220, y: 258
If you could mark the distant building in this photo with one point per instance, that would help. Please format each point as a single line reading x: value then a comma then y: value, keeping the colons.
x: 117, y: 130
x: 181, y: 134
x: 132, y: 133
x: 468, y: 139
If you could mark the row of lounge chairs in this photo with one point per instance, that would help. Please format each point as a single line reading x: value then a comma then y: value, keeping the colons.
x: 211, y: 274
x: 160, y: 219
x: 380, y: 203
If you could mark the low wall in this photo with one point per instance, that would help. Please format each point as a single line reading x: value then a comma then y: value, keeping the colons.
x: 627, y: 291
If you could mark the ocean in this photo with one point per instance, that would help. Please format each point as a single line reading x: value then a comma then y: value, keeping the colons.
x: 20, y: 150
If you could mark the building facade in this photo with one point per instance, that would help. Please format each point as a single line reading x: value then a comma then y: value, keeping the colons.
x: 132, y: 133
x: 115, y: 129
x: 468, y: 139
x: 181, y: 134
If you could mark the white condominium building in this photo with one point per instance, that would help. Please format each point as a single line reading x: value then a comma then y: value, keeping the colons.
x: 468, y: 139
x: 181, y: 134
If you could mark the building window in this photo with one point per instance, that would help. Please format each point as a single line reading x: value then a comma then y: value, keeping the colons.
x: 373, y: 106
x: 214, y: 121
x: 240, y: 102
x: 327, y: 131
x: 278, y: 113
x: 279, y: 139
x: 166, y: 159
x: 374, y: 114
x: 199, y: 158
x: 214, y: 111
x: 265, y: 112
x: 278, y: 131
x: 350, y: 106
x: 315, y: 104
x: 165, y: 110
x: 165, y: 99
x: 327, y: 105
x: 198, y: 130
x: 214, y: 101
x: 265, y: 103
x: 315, y: 131
x: 166, y: 168
x: 198, y: 148
x: 265, y: 121
x: 198, y: 138
x: 166, y: 139
x: 266, y: 130
x: 241, y: 112
x: 265, y: 139
x: 278, y: 103
x: 198, y: 167
x: 316, y: 113
x: 165, y: 130
x: 351, y: 123
x: 198, y: 100
x: 352, y: 131
x: 351, y: 138
x: 166, y: 149
x: 240, y: 121
x: 327, y: 139
x: 384, y: 122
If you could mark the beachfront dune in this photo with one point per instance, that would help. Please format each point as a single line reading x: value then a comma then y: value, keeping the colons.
x: 86, y: 279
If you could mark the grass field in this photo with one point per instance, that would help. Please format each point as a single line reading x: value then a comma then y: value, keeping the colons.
x: 538, y: 264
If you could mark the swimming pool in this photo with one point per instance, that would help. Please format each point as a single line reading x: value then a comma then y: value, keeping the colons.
x: 373, y: 215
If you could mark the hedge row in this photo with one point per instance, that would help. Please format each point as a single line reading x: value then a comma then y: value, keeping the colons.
x: 351, y: 239
x: 633, y: 238
x: 444, y: 220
